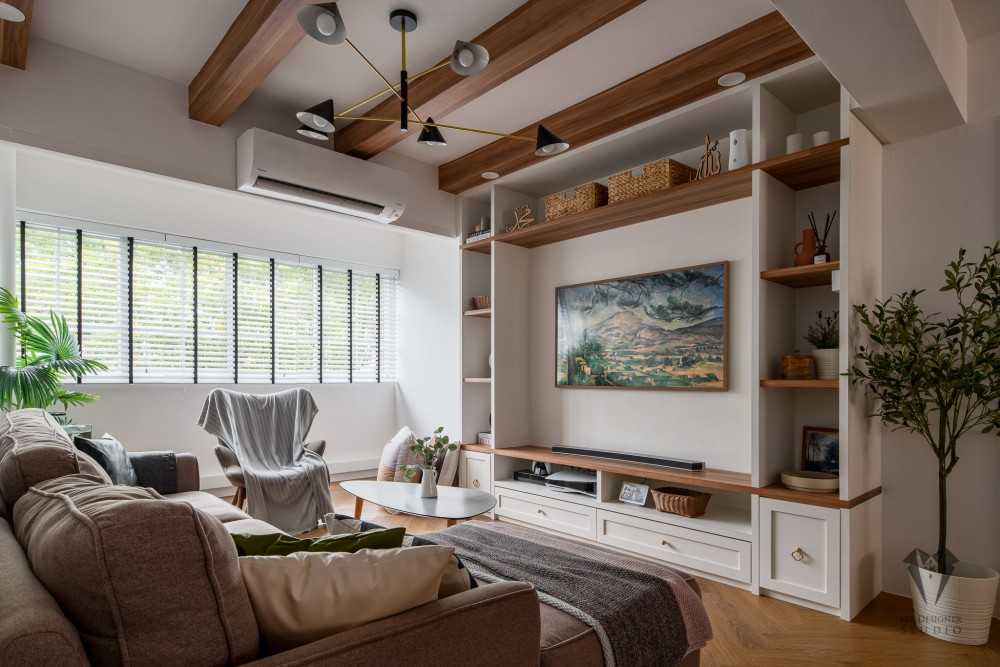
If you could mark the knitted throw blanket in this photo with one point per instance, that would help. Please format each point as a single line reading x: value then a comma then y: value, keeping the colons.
x: 643, y: 613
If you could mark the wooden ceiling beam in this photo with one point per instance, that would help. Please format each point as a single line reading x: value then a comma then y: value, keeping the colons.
x: 14, y: 36
x: 523, y: 38
x: 759, y: 47
x: 260, y: 37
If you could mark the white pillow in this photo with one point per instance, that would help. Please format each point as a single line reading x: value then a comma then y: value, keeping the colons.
x: 306, y: 596
x: 390, y: 453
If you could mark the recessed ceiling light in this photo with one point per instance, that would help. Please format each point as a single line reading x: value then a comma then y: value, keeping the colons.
x: 730, y: 79
x: 9, y: 12
x: 490, y: 175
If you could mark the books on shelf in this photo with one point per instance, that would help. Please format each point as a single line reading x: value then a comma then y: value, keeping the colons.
x: 485, y: 438
x: 472, y: 238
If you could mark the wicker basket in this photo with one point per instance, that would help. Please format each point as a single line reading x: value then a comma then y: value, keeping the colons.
x: 582, y: 198
x: 676, y: 500
x: 655, y: 176
x: 481, y: 302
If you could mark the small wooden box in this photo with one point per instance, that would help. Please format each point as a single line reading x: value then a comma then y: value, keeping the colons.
x: 655, y: 176
x: 798, y: 367
x: 582, y: 198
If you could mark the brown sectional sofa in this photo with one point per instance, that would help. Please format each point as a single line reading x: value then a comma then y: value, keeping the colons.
x: 92, y: 573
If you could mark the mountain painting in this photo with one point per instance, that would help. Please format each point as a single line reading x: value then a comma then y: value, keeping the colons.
x: 664, y: 330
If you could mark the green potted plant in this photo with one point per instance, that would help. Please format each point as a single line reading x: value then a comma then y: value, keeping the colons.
x: 938, y: 377
x: 431, y: 450
x: 49, y: 356
x: 824, y: 336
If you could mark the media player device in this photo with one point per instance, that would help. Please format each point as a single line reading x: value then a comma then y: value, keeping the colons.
x: 573, y: 481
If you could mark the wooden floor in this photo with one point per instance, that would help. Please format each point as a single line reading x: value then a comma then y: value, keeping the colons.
x: 758, y: 631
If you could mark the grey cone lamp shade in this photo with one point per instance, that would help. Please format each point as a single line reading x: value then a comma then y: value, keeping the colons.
x: 548, y: 144
x: 307, y: 131
x: 431, y: 135
x: 318, y: 117
x: 9, y: 12
x: 468, y: 58
x: 323, y: 23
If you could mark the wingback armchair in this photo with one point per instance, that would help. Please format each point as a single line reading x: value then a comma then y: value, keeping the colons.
x: 234, y: 473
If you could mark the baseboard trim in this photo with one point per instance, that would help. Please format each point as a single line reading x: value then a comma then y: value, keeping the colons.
x: 339, y: 470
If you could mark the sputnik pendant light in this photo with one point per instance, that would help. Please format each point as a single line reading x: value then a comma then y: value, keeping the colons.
x: 431, y: 135
x: 9, y: 12
x: 547, y: 144
x: 324, y: 23
x: 319, y: 117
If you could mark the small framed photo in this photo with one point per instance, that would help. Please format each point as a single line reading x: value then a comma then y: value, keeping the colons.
x: 821, y: 449
x: 634, y: 493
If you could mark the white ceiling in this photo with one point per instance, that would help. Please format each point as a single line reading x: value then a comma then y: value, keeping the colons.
x: 173, y: 39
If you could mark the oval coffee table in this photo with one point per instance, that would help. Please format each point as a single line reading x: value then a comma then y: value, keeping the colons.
x: 452, y: 503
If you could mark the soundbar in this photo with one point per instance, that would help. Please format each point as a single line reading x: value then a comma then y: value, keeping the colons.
x: 662, y: 461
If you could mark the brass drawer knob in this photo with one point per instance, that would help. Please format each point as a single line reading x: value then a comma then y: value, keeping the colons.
x: 798, y: 555
x: 475, y: 483
x: 541, y: 511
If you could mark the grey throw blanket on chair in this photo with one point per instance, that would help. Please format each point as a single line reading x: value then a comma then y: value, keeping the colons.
x: 644, y: 614
x: 287, y: 485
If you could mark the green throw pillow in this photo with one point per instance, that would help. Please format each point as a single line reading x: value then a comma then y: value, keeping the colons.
x: 278, y: 544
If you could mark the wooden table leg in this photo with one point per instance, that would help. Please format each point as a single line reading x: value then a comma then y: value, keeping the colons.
x: 358, y: 506
x: 452, y: 522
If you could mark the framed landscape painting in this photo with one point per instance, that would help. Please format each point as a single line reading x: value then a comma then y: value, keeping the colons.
x: 663, y: 330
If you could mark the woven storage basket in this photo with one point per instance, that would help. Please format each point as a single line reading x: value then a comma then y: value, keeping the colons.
x: 655, y: 176
x: 582, y: 198
x: 676, y: 500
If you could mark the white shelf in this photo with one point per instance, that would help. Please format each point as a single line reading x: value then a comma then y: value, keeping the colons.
x: 542, y: 490
x: 719, y: 518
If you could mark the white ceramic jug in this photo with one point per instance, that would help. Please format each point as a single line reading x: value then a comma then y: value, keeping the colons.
x: 739, y: 149
x: 428, y: 483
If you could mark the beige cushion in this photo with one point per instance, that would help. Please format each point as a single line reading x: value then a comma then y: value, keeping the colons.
x: 390, y: 454
x: 144, y: 580
x: 34, y: 448
x: 306, y: 596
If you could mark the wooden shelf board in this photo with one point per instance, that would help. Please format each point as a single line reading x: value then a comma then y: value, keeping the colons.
x: 811, y: 275
x: 800, y: 384
x: 478, y: 380
x: 806, y: 168
x: 781, y: 492
x: 721, y: 480
x: 482, y: 312
x: 724, y: 480
x: 482, y: 245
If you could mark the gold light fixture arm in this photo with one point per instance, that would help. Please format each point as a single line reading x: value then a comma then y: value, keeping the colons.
x: 371, y: 66
x: 444, y: 125
x: 392, y: 89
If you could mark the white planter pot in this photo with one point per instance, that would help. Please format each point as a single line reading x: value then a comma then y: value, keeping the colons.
x: 964, y: 610
x: 826, y: 363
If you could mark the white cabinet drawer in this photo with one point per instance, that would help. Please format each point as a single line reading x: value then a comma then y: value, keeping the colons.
x: 570, y: 518
x: 800, y: 551
x: 475, y: 471
x: 712, y: 554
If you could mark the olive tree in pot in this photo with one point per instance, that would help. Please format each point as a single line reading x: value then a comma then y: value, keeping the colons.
x: 49, y: 356
x: 938, y: 377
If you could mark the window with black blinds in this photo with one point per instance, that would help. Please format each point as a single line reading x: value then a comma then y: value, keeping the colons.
x: 160, y: 312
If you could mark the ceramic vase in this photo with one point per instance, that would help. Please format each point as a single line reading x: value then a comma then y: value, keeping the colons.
x: 739, y: 149
x: 428, y: 483
x: 826, y: 363
x: 962, y: 612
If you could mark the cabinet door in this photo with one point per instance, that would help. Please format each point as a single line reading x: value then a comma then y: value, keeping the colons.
x: 474, y: 471
x: 800, y: 551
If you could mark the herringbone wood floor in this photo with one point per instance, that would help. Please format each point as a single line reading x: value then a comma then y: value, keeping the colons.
x: 752, y: 631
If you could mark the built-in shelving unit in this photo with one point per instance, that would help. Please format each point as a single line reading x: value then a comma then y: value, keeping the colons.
x: 800, y: 384
x: 810, y: 275
x: 763, y: 207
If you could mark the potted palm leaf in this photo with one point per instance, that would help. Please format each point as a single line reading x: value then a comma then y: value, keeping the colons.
x: 49, y: 357
x: 938, y: 377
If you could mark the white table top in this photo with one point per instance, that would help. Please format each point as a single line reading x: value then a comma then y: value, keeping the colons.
x: 452, y: 502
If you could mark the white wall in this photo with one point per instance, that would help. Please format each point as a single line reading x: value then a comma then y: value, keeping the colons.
x: 710, y: 426
x: 940, y: 192
x: 355, y: 419
x: 75, y: 103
